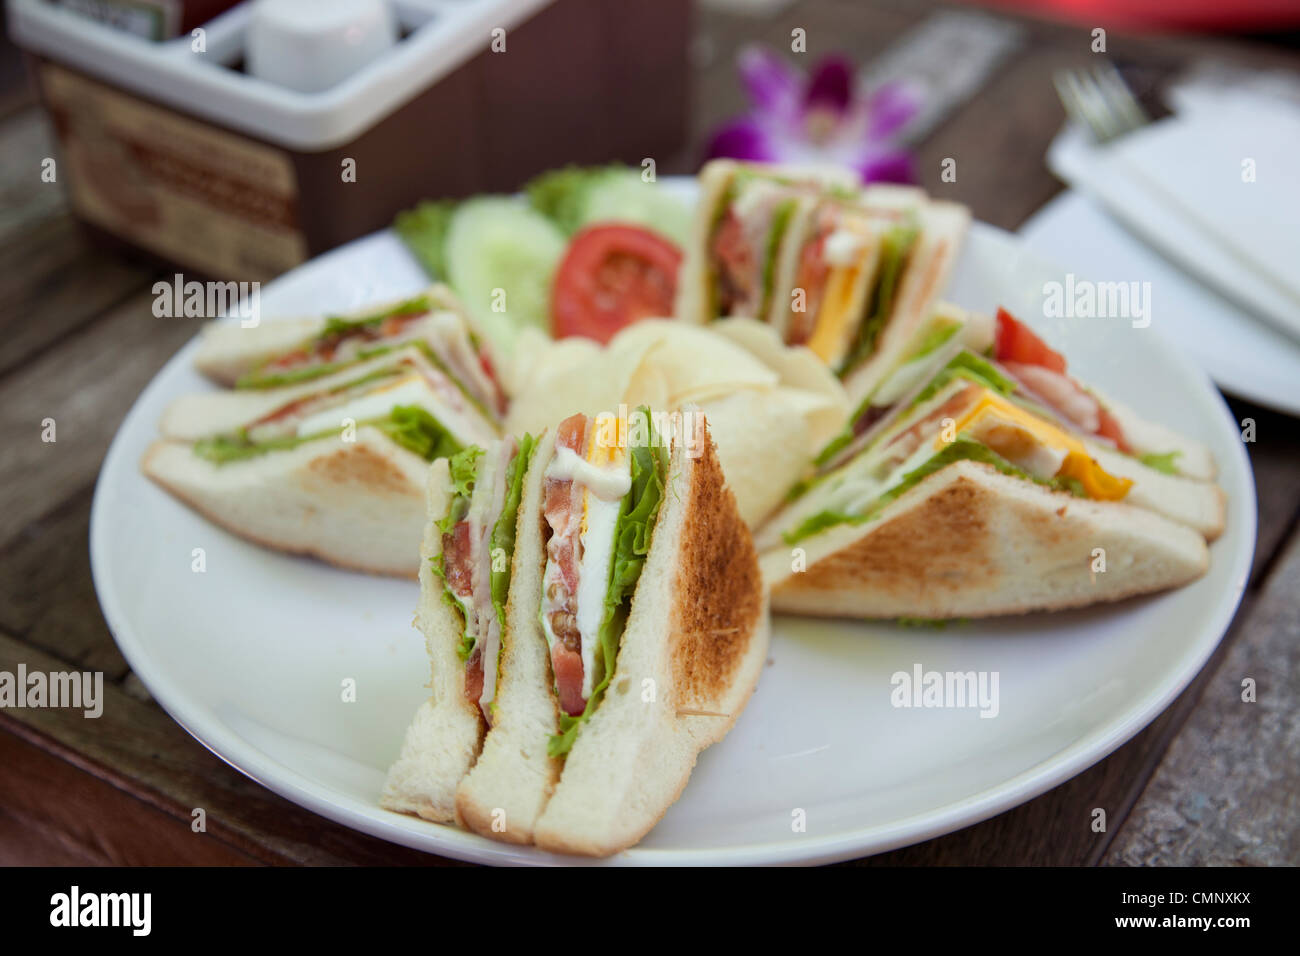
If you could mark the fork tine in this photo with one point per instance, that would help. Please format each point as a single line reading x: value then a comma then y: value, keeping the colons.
x: 1100, y: 100
x: 1123, y: 103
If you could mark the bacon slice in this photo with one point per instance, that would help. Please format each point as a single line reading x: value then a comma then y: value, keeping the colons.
x: 734, y: 262
x: 474, y: 675
x: 458, y: 559
x: 812, y: 276
x: 567, y: 665
x: 1061, y: 392
x: 325, y: 348
x: 562, y: 509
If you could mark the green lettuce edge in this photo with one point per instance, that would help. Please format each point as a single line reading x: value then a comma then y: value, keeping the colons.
x: 633, y: 533
x: 963, y: 449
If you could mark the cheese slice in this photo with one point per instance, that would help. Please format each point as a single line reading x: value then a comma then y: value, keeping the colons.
x: 1039, y: 447
x: 837, y: 319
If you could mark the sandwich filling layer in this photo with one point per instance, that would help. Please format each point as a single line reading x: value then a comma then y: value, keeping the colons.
x: 444, y: 337
x: 961, y: 415
x: 478, y: 543
x: 601, y: 497
x: 412, y: 402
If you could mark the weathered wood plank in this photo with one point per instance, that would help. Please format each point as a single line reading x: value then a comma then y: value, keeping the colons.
x: 52, y: 280
x: 135, y: 748
x: 1228, y: 790
x: 46, y: 594
x: 86, y: 387
x: 76, y: 830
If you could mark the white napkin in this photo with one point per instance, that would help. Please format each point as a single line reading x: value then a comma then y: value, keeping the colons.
x: 1214, y: 187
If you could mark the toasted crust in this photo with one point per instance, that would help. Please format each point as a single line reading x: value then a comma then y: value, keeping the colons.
x: 446, y: 733
x: 720, y: 593
x: 357, y: 505
x: 506, y: 791
x: 682, y: 676
x: 969, y: 542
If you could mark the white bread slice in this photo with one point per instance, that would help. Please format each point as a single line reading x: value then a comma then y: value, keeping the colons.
x: 227, y: 350
x: 692, y: 302
x: 202, y: 415
x: 357, y: 504
x: 504, y: 794
x: 969, y: 541
x: 447, y: 730
x: 1198, y: 504
x: 693, y: 276
x: 1195, y: 460
x: 786, y: 270
x: 692, y: 651
x: 943, y: 227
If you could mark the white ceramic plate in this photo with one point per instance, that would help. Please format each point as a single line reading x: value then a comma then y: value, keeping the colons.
x: 251, y: 655
x: 1243, y: 354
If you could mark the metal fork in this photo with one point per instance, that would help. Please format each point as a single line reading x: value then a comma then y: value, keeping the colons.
x: 1100, y: 100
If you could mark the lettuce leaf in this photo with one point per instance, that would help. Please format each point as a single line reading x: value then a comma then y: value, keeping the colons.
x: 1161, y: 461
x: 424, y: 231
x: 633, y: 533
x: 335, y: 327
x: 967, y: 365
x: 561, y: 194
x: 416, y: 430
x: 340, y: 326
x: 408, y: 425
x: 464, y: 467
x: 935, y: 338
x: 780, y: 223
x: 964, y: 364
x: 963, y: 449
x: 896, y: 245
x: 503, y: 532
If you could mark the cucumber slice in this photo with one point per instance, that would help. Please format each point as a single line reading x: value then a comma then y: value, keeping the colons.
x: 627, y: 198
x: 497, y: 245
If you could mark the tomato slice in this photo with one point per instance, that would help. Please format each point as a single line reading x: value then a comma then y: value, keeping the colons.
x: 611, y: 276
x: 1109, y: 427
x: 1016, y: 342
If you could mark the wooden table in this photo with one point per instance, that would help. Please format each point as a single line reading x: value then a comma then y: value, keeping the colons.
x: 1212, y: 780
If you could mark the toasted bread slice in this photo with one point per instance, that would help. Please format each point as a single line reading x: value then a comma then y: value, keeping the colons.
x: 695, y: 277
x: 505, y: 792
x: 444, y: 738
x: 1201, y: 505
x: 969, y: 541
x: 691, y: 653
x: 929, y: 265
x: 228, y: 350
x: 1194, y: 459
x: 357, y: 504
x: 204, y: 414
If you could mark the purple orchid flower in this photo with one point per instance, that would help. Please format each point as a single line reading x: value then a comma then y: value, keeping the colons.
x: 818, y: 118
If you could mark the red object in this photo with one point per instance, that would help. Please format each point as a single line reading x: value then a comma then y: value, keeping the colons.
x: 1016, y: 342
x: 1109, y: 427
x: 1240, y: 15
x: 611, y: 276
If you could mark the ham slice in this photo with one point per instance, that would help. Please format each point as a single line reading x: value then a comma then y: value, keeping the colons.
x: 563, y: 512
